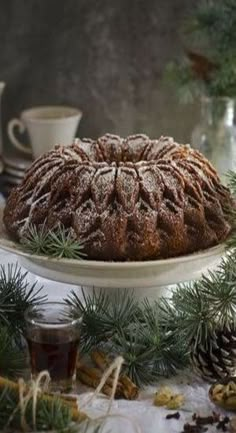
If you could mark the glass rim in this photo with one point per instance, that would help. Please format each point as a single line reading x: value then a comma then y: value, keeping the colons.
x: 46, y: 322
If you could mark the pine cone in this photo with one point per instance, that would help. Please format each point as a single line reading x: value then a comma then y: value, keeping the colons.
x: 216, y: 358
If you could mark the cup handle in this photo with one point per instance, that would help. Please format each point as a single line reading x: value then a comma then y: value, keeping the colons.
x: 10, y: 130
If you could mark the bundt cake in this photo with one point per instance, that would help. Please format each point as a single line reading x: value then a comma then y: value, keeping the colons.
x: 124, y: 199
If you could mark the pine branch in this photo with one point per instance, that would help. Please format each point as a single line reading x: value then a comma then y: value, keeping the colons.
x: 63, y: 244
x: 169, y: 316
x: 52, y: 413
x: 211, y: 38
x: 192, y: 305
x: 138, y: 359
x: 59, y: 242
x: 149, y: 353
x: 169, y: 352
x: 16, y: 295
x: 121, y: 326
x: 198, y: 309
x: 122, y: 309
x: 12, y: 360
x: 217, y: 20
x: 231, y: 176
x: 101, y: 317
x: 231, y: 242
x: 93, y: 309
x: 35, y: 239
x: 220, y: 291
x: 181, y: 76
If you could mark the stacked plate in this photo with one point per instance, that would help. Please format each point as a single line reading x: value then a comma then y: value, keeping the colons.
x: 14, y: 168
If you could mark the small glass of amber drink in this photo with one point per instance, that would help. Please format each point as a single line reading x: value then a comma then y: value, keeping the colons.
x: 53, y: 338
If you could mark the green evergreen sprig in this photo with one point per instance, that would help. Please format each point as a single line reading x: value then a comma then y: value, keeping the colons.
x: 102, y: 318
x: 149, y: 349
x: 208, y: 65
x: 59, y: 242
x: 122, y: 326
x: 12, y: 360
x: 231, y: 181
x: 51, y: 415
x: 180, y: 75
x: 215, y: 21
x: 16, y: 295
x: 202, y: 307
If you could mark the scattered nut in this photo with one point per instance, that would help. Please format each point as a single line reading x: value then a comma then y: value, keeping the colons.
x: 224, y: 395
x: 175, y: 402
x: 163, y: 396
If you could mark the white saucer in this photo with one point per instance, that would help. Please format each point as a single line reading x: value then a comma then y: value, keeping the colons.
x: 12, y: 180
x: 14, y: 172
x: 17, y: 163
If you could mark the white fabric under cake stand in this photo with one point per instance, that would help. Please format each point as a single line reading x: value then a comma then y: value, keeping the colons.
x: 151, y: 419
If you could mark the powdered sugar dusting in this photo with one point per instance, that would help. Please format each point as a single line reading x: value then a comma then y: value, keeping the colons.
x: 132, y: 198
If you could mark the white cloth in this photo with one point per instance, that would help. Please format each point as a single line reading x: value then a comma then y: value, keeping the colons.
x: 151, y: 419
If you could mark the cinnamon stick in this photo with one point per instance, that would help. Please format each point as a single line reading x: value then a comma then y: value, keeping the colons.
x: 91, y: 376
x: 131, y: 391
x: 102, y: 361
x: 68, y: 399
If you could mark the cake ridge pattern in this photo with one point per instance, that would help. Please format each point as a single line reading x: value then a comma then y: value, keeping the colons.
x: 125, y: 199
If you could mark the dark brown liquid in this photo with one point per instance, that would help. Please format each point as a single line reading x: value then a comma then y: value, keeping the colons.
x: 53, y: 351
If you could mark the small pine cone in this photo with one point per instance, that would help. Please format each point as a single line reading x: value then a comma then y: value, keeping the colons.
x: 216, y: 357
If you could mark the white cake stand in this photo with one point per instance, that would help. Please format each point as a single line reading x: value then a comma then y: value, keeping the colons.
x: 147, y: 278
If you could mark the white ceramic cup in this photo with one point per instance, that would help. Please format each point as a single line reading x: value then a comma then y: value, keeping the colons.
x: 46, y: 126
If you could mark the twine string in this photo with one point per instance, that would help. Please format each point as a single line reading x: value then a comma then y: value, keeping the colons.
x: 36, y: 389
x: 116, y: 365
x: 25, y: 395
x: 41, y: 383
x: 22, y: 404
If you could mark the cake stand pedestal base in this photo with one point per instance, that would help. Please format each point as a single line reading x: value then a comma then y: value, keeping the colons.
x: 150, y: 293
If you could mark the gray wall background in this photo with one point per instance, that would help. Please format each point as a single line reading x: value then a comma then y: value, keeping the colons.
x: 103, y: 56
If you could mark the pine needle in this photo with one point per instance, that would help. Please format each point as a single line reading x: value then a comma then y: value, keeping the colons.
x: 138, y: 359
x: 12, y: 360
x: 93, y: 309
x: 119, y: 325
x: 199, y: 308
x: 16, y: 295
x: 210, y: 36
x: 231, y: 177
x: 35, y: 240
x: 50, y: 414
x: 59, y: 242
